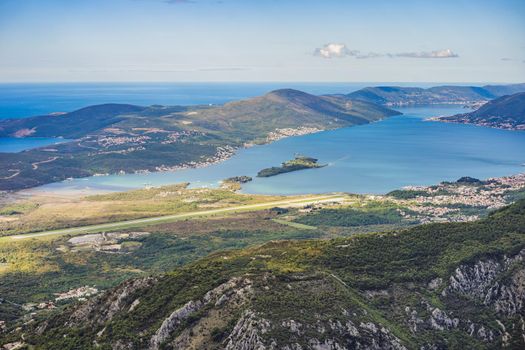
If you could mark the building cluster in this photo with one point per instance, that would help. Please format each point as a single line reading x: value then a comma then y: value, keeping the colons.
x: 454, y: 201
x: 490, y: 122
x: 221, y: 154
x: 110, y: 141
x: 80, y: 293
x: 278, y: 134
x: 181, y: 136
x: 124, y: 151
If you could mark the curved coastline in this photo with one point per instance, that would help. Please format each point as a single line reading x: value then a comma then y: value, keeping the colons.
x: 371, y: 158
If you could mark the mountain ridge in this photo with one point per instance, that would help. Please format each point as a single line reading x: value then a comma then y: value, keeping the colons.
x: 114, y: 138
x: 84, y: 120
x: 506, y: 112
x: 445, y: 94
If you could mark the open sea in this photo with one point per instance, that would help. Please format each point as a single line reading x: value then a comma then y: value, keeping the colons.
x: 24, y: 100
x: 374, y: 158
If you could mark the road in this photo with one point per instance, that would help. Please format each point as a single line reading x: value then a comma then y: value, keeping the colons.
x: 146, y: 221
x: 36, y: 164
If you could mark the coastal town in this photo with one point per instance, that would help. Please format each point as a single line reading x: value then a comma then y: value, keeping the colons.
x: 279, y: 134
x: 465, y: 200
x: 489, y: 123
x: 222, y: 153
x: 459, y: 201
x: 107, y: 144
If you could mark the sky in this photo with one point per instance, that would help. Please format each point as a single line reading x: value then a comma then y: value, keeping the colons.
x: 262, y: 40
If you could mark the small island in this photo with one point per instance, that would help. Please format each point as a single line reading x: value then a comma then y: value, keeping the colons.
x: 239, y: 179
x: 298, y: 163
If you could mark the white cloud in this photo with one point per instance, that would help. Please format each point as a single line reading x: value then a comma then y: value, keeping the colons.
x: 332, y: 50
x: 447, y: 53
x: 339, y: 50
x: 370, y: 55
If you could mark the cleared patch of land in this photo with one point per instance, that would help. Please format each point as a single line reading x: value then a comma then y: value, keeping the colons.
x: 294, y: 224
x: 168, y: 218
x: 34, y: 212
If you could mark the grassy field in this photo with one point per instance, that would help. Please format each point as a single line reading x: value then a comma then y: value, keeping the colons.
x: 43, y: 212
x: 142, y: 223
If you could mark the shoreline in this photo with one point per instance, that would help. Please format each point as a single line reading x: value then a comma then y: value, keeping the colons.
x: 442, y: 119
x: 224, y: 153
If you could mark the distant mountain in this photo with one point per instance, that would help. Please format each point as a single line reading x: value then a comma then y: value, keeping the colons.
x: 284, y: 108
x: 439, y: 286
x: 69, y: 125
x: 501, y: 90
x: 507, y: 112
x: 401, y: 96
x: 288, y: 108
x: 114, y: 138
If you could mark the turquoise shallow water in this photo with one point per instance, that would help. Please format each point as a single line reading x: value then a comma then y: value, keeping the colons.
x: 374, y: 158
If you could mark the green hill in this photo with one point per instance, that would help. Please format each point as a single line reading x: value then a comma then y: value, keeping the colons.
x: 254, y: 118
x: 507, y: 112
x: 399, y: 96
x: 438, y: 286
x: 112, y: 138
x: 69, y: 125
x: 501, y: 90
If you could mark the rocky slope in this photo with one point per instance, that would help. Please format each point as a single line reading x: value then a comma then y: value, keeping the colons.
x: 440, y: 286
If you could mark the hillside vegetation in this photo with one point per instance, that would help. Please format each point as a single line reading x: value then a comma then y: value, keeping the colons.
x: 69, y: 125
x: 507, y: 112
x: 400, y: 96
x: 440, y: 286
x: 298, y: 163
x: 45, y: 212
x: 116, y: 138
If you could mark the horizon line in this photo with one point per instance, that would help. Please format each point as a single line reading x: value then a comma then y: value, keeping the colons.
x: 254, y: 82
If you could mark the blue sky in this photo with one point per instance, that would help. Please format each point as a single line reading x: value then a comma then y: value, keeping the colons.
x: 262, y: 40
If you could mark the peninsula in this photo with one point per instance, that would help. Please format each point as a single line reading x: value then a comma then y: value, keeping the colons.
x: 506, y: 112
x: 398, y: 96
x: 118, y: 138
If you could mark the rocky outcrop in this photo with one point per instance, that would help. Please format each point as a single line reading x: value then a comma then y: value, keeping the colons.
x: 483, y: 281
x: 104, y: 307
x: 508, y: 298
x: 173, y: 321
x: 246, y: 334
x: 252, y: 331
x: 439, y: 320
x: 442, y: 321
x: 235, y: 287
